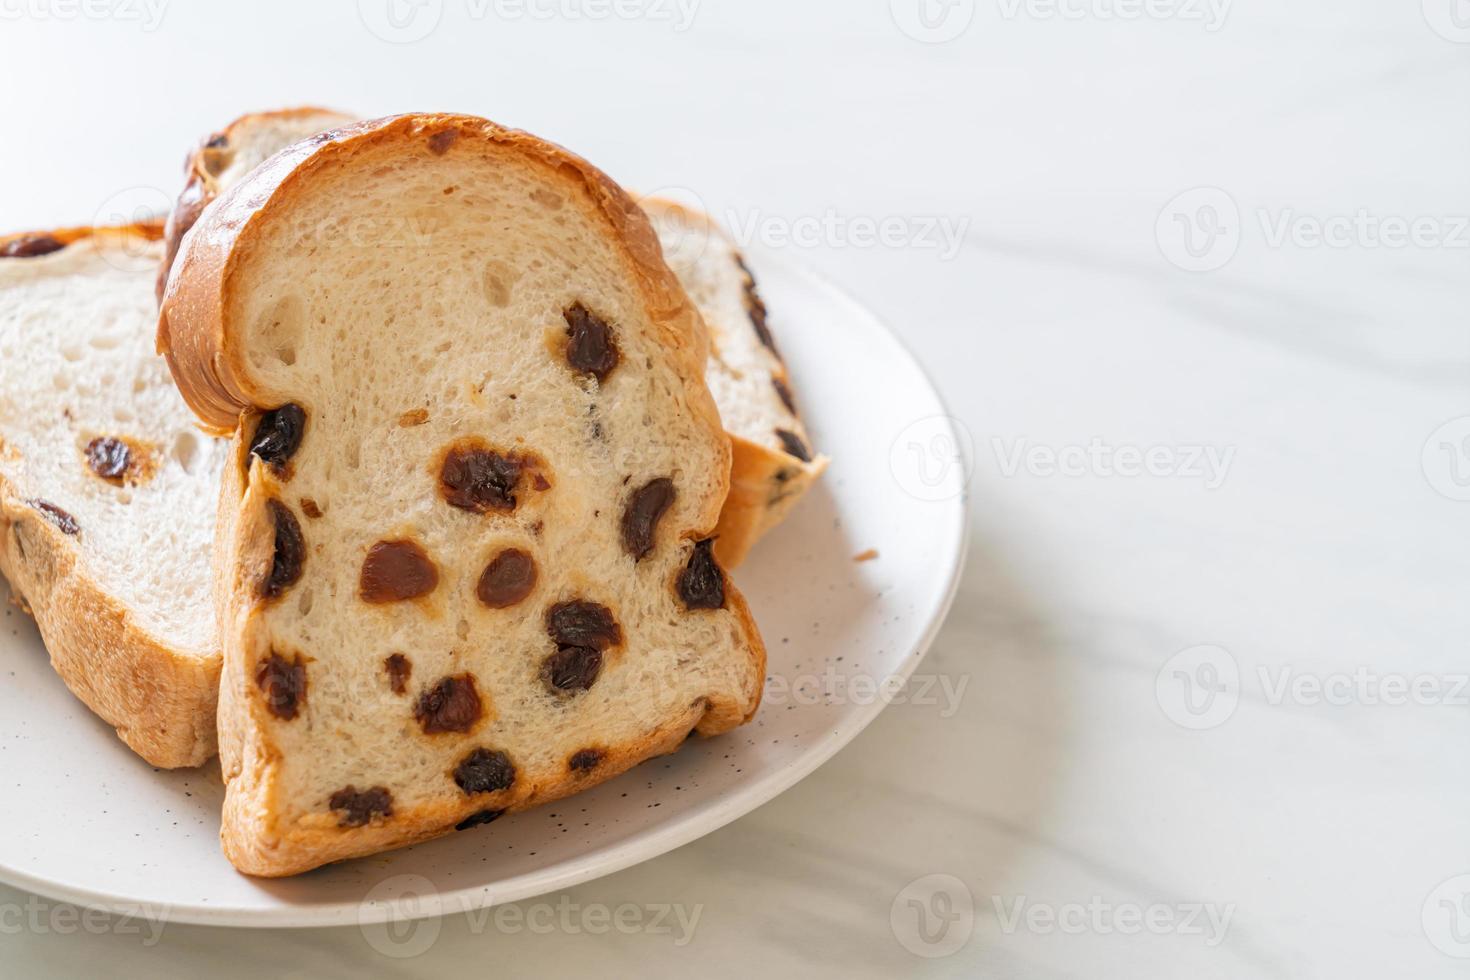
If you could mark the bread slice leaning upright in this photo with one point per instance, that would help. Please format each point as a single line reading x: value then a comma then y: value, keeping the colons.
x: 107, y: 490
x: 465, y: 562
x: 774, y: 463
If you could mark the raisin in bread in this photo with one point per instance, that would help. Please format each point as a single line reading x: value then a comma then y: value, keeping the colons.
x: 773, y: 460
x: 107, y: 491
x: 465, y: 557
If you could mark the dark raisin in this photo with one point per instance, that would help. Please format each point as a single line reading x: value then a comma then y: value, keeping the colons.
x: 310, y: 509
x: 478, y: 819
x: 508, y: 579
x: 399, y: 671
x: 396, y: 570
x: 702, y: 583
x: 283, y: 682
x: 571, y: 669
x: 793, y: 445
x: 484, y: 771
x: 63, y: 521
x: 480, y: 480
x: 440, y: 142
x: 109, y: 457
x: 641, y: 516
x: 583, y: 624
x: 784, y: 393
x: 278, y: 435
x: 30, y: 246
x: 452, y: 705
x: 358, y: 808
x: 590, y: 345
x: 290, y: 552
x: 755, y: 308
x: 584, y: 760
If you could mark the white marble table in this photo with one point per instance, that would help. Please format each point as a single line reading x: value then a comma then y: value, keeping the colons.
x: 1211, y: 646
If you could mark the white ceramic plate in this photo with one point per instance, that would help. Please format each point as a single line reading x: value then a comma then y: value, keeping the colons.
x: 84, y: 820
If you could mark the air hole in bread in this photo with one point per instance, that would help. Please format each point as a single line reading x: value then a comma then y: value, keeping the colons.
x: 278, y: 331
x: 549, y: 200
x: 499, y: 281
x: 61, y: 381
x: 304, y: 603
x: 105, y: 341
x: 185, y: 451
x: 71, y: 352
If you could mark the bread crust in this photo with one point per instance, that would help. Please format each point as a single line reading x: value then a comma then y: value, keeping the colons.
x: 160, y: 699
x: 205, y: 356
x: 201, y: 183
x: 765, y: 483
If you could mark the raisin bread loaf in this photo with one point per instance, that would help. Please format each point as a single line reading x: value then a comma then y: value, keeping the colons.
x: 107, y: 491
x: 773, y: 460
x: 465, y: 556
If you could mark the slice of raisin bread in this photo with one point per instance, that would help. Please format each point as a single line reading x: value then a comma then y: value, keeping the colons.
x: 773, y: 460
x: 465, y: 556
x: 107, y: 491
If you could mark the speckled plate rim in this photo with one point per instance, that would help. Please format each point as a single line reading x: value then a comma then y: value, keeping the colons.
x: 678, y: 831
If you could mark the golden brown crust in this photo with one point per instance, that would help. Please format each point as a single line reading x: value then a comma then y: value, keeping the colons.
x: 202, y: 168
x: 204, y: 355
x: 764, y: 485
x: 160, y: 699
